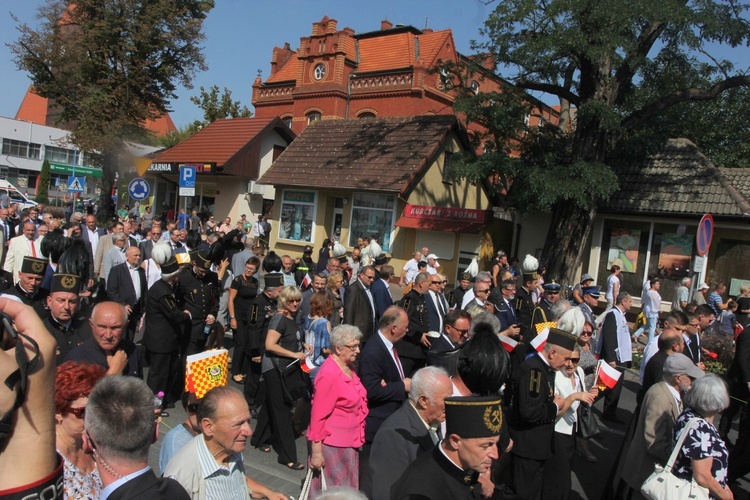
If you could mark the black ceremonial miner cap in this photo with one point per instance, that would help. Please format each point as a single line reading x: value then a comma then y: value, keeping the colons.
x: 62, y: 282
x: 273, y: 280
x: 473, y: 416
x: 32, y: 265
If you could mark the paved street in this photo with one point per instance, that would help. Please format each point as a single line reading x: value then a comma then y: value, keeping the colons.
x: 588, y: 479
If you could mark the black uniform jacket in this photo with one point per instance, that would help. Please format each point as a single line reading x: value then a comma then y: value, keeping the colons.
x: 433, y: 477
x: 164, y: 319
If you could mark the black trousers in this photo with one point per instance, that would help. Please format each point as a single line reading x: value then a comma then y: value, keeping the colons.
x: 612, y: 398
x: 527, y: 477
x: 275, y: 426
x: 255, y: 391
x: 240, y: 357
x: 195, y: 338
x: 557, y: 480
x: 164, y: 374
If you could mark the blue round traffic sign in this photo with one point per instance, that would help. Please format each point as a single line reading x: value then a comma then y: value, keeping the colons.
x: 139, y: 189
x: 704, y: 235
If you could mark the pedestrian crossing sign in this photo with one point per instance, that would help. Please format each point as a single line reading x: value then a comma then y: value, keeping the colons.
x: 76, y: 184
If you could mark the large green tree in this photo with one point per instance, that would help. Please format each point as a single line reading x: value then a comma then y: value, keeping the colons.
x: 618, y: 68
x: 108, y: 67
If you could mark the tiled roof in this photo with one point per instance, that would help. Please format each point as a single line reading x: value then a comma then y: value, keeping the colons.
x: 217, y: 142
x: 680, y: 180
x: 35, y: 109
x: 380, y: 52
x: 379, y: 154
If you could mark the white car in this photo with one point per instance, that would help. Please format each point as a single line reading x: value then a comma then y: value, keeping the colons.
x: 16, y: 196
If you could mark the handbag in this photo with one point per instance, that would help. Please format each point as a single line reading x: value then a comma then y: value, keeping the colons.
x: 663, y: 485
x: 293, y: 383
x: 588, y: 426
x: 305, y: 494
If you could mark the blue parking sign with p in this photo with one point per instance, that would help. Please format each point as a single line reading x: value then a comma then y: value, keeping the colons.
x: 187, y: 176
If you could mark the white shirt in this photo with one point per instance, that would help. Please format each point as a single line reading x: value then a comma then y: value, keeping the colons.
x: 411, y: 269
x: 389, y: 346
x: 93, y: 239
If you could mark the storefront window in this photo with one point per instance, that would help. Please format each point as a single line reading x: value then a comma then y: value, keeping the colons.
x: 297, y: 216
x: 670, y: 256
x: 372, y: 214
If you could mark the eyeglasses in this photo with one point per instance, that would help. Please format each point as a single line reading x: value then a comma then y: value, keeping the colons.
x: 192, y: 408
x: 462, y: 332
x: 78, y: 412
x: 575, y: 361
x: 355, y: 347
x: 294, y: 300
x: 369, y: 277
x: 435, y: 282
x: 486, y: 290
x: 586, y: 333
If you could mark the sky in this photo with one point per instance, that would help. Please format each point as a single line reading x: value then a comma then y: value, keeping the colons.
x: 241, y: 34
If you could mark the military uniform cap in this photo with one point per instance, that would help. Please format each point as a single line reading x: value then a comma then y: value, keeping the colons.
x: 466, y: 276
x: 529, y: 268
x: 201, y: 260
x: 593, y: 290
x: 62, y: 282
x: 562, y: 339
x: 273, y: 280
x: 171, y: 266
x: 473, y: 416
x: 380, y: 260
x: 552, y: 286
x: 307, y: 249
x: 33, y: 265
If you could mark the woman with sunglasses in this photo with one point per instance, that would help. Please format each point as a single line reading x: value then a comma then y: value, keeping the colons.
x: 73, y: 384
x: 569, y: 384
x: 284, y: 353
x: 243, y: 290
x: 339, y: 408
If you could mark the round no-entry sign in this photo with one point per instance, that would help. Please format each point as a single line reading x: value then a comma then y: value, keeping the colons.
x: 704, y: 235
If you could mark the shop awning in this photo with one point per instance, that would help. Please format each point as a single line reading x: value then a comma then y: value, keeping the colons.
x: 453, y: 219
x: 441, y: 225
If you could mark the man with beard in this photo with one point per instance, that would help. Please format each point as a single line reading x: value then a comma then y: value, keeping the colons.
x: 61, y: 321
x: 262, y: 309
x: 199, y: 291
x: 162, y: 336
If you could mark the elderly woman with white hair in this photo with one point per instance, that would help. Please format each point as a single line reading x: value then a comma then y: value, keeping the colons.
x: 339, y: 408
x: 703, y: 455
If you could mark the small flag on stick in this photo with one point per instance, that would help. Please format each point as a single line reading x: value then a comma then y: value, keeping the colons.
x: 540, y: 340
x: 607, y: 375
x: 508, y: 343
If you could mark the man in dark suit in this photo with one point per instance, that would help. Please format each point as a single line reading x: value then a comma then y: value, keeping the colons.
x: 669, y: 342
x: 61, y: 321
x: 120, y: 440
x: 147, y: 245
x: 411, y: 430
x: 616, y: 349
x: 381, y: 292
x: 454, y: 335
x: 359, y: 306
x: 127, y: 286
x: 412, y: 347
x: 382, y: 374
x: 435, y: 304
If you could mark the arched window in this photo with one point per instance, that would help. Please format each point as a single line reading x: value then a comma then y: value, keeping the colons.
x: 313, y: 117
x: 366, y: 114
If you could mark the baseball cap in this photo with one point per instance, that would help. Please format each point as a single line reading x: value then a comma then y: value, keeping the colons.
x: 703, y: 286
x: 678, y: 364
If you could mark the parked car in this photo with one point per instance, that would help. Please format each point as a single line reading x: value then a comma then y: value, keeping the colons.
x: 16, y: 196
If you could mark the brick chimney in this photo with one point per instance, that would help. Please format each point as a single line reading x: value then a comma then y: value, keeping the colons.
x: 386, y: 25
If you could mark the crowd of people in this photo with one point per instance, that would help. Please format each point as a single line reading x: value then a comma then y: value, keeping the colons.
x: 475, y: 392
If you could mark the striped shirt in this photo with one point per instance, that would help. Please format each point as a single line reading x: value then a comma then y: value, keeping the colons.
x: 222, y: 482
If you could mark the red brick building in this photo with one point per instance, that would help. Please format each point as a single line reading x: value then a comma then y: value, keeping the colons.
x: 340, y: 74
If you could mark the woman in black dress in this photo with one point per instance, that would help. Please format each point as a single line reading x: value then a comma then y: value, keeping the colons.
x: 243, y: 290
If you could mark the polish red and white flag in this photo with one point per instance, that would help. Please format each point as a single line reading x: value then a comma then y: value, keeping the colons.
x: 508, y: 343
x: 540, y: 340
x: 608, y: 375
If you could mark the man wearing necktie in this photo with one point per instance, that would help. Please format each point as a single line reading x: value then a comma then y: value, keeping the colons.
x: 21, y: 246
x: 412, y: 430
x: 359, y: 306
x: 381, y: 373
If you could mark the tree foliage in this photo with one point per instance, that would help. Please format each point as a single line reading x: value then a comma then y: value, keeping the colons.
x: 620, y: 67
x: 107, y: 67
x: 42, y: 185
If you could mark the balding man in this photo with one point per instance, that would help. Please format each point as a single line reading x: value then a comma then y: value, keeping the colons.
x: 127, y: 285
x: 107, y: 347
x: 412, y: 430
x: 21, y: 246
x: 669, y: 342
